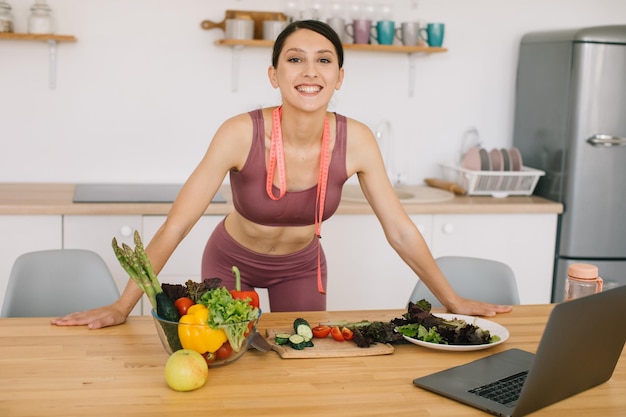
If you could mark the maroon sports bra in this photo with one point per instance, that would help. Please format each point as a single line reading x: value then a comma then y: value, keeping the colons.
x: 296, y: 208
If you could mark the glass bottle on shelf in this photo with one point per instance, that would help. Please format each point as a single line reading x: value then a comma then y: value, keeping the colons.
x: 6, y: 18
x: 40, y: 18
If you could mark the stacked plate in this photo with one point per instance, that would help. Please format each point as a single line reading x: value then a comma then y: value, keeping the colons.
x: 479, y: 159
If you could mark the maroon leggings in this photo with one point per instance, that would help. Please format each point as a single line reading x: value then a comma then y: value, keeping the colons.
x: 291, y: 280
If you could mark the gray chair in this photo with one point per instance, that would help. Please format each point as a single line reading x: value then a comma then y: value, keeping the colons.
x: 57, y: 282
x: 475, y: 278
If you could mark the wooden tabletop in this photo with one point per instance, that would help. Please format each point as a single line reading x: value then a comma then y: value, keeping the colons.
x: 119, y: 371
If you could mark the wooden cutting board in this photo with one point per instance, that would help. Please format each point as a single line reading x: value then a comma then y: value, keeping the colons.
x: 325, y: 348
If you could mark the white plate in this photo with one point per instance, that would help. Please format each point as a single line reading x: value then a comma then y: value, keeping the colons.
x: 494, y: 329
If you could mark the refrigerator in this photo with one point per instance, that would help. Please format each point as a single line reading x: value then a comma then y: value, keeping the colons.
x: 570, y: 121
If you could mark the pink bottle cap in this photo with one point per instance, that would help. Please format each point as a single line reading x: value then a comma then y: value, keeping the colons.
x: 583, y: 271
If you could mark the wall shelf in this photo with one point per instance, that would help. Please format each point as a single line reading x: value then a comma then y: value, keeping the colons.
x: 412, y: 51
x: 52, y: 41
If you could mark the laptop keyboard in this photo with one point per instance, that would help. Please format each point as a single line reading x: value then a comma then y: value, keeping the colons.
x: 504, y: 391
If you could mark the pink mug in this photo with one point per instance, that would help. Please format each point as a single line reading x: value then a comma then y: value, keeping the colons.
x: 360, y: 30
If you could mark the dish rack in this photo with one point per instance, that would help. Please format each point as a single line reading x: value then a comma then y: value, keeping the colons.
x: 493, y: 183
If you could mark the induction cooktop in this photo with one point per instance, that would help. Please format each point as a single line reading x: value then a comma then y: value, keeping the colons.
x: 130, y: 193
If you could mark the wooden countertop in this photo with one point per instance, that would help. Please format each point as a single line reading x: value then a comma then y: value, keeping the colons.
x: 73, y: 371
x: 31, y: 198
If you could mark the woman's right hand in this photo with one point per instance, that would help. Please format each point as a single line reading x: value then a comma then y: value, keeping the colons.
x: 96, y: 318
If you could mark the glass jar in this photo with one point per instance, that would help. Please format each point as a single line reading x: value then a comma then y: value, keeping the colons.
x: 6, y: 18
x: 582, y: 280
x: 40, y: 18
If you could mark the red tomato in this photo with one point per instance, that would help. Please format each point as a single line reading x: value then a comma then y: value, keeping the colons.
x: 347, y: 334
x: 209, y: 357
x: 335, y: 332
x: 183, y: 304
x: 321, y: 331
x: 224, y: 351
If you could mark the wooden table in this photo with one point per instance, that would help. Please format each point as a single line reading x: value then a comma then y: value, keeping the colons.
x: 118, y: 371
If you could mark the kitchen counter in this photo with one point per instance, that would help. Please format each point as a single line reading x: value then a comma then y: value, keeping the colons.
x: 51, y: 199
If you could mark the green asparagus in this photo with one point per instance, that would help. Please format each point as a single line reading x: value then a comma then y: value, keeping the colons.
x: 138, y: 267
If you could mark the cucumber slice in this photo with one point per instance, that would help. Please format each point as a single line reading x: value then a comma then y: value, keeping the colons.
x: 297, y: 342
x: 302, y: 327
x: 282, y: 338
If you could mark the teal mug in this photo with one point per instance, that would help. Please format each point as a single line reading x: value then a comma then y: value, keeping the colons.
x: 434, y: 34
x: 385, y: 32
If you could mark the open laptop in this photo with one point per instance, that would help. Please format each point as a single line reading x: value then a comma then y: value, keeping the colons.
x: 579, y: 349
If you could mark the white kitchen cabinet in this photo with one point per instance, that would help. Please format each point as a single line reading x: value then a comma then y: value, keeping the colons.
x: 525, y: 242
x: 364, y: 272
x: 96, y: 232
x: 25, y: 233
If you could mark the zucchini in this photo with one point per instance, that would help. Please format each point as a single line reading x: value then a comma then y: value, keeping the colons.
x: 165, y: 308
x: 302, y: 328
x: 297, y: 342
x: 282, y: 338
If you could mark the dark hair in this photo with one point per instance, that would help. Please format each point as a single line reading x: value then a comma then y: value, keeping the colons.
x: 314, y: 25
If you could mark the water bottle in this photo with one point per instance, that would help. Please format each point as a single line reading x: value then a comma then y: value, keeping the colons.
x: 582, y: 280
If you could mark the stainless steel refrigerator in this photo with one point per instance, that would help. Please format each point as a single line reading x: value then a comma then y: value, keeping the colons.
x: 570, y: 121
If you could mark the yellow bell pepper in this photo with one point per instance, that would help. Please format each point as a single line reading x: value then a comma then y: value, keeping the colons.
x: 199, y: 336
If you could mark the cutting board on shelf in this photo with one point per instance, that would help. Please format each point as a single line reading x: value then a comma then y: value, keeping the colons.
x: 325, y: 348
x: 257, y: 16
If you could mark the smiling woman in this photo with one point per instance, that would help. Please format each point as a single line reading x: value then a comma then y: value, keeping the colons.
x: 287, y: 167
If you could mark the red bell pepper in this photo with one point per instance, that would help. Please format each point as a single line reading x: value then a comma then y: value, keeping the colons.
x: 251, y: 296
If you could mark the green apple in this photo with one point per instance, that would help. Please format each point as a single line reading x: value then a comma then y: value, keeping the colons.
x: 186, y: 370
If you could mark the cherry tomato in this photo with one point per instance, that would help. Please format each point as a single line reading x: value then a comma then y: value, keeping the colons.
x: 321, y: 331
x: 347, y: 334
x: 209, y: 357
x: 224, y: 351
x: 335, y: 332
x: 183, y: 304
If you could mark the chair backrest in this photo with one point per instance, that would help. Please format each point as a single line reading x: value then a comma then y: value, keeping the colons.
x: 57, y: 282
x: 475, y: 278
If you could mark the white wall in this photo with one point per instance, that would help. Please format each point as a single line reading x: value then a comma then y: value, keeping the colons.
x: 140, y: 94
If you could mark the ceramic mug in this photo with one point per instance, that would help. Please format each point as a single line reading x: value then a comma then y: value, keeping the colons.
x: 339, y: 25
x: 272, y: 28
x: 434, y: 34
x: 239, y: 29
x: 385, y: 32
x: 359, y: 30
x: 409, y: 33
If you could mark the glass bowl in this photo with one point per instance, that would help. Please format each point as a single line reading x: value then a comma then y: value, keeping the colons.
x: 168, y: 332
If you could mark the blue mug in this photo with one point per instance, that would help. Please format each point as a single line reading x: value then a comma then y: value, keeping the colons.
x: 434, y: 34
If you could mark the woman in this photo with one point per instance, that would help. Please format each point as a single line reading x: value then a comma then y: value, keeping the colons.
x: 272, y: 236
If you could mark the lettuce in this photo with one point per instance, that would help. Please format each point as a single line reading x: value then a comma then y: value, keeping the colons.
x: 230, y: 314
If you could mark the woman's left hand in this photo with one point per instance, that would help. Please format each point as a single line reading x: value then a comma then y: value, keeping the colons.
x: 478, y: 308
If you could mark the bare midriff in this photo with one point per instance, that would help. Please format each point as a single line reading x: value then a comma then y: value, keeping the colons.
x: 269, y: 240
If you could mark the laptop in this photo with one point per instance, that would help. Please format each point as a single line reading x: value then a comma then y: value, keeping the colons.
x: 579, y: 349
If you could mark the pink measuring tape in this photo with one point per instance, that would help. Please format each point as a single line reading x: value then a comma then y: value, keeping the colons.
x: 277, y: 163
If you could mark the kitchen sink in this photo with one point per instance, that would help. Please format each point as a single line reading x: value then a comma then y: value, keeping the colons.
x: 130, y: 193
x: 407, y: 194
